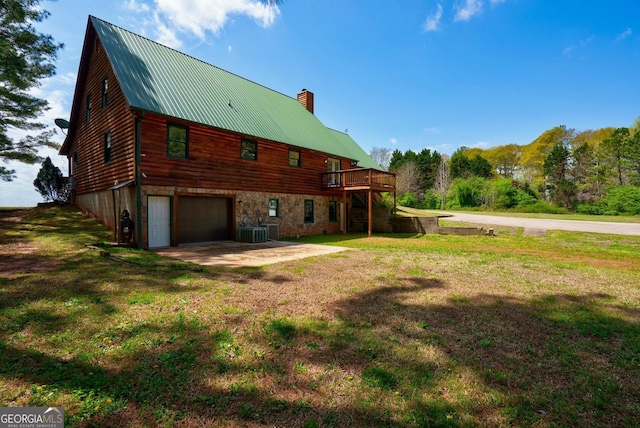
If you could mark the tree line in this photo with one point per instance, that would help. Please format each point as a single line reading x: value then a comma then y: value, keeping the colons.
x: 592, y: 171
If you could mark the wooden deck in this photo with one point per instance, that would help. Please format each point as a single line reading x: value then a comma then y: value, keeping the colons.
x: 359, y: 179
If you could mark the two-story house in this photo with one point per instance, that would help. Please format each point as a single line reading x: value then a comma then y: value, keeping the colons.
x: 192, y: 151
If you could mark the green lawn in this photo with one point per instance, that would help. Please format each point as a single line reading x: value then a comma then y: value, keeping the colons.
x: 401, y: 330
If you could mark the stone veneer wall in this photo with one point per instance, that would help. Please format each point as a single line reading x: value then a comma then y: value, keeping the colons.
x: 251, y: 206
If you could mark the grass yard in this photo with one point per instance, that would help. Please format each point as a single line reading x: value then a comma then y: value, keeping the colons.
x: 402, y: 331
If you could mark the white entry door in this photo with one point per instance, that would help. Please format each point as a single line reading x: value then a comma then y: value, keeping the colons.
x: 159, y: 221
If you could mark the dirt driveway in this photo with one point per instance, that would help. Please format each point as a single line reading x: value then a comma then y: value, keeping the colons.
x: 231, y: 254
x: 533, y: 225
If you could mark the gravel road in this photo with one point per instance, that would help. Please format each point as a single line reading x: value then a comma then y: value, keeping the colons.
x: 533, y: 225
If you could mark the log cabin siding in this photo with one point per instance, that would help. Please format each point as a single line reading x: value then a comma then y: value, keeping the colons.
x: 214, y: 162
x: 90, y: 172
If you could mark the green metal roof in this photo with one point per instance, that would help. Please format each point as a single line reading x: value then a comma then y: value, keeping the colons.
x: 159, y: 79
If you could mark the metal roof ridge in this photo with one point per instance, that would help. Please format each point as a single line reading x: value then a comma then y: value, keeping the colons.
x: 335, y: 130
x: 192, y: 57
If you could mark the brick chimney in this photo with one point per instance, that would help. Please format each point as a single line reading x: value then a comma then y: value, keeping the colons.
x: 306, y: 99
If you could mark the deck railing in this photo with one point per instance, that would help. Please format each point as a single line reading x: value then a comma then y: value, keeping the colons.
x: 359, y: 179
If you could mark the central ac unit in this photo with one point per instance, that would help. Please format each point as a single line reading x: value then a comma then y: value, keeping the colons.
x: 273, y: 231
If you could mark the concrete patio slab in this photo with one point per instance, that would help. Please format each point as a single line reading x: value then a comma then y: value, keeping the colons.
x: 231, y: 254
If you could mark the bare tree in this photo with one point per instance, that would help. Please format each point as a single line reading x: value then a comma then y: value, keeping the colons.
x: 408, y: 178
x: 382, y: 156
x: 443, y: 180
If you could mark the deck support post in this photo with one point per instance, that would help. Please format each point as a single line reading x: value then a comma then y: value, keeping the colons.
x: 370, y: 197
x: 344, y: 212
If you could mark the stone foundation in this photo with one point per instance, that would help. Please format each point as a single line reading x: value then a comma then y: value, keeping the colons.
x: 252, y: 209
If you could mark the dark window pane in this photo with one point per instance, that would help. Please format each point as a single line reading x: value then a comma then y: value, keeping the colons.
x: 177, y: 142
x: 333, y: 211
x: 107, y: 147
x: 308, y: 211
x: 273, y: 208
x: 249, y: 150
x: 105, y: 88
x: 294, y: 158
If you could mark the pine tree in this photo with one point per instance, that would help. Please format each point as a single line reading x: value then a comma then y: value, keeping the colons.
x: 26, y: 57
x: 51, y: 183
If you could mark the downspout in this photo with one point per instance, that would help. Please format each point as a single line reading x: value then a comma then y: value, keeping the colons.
x: 138, y: 181
x: 115, y: 216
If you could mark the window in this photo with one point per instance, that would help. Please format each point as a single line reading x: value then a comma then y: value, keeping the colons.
x: 294, y: 158
x: 107, y: 147
x: 87, y: 113
x: 333, y: 211
x: 249, y: 150
x: 105, y: 88
x: 274, y: 208
x: 308, y: 211
x: 177, y: 141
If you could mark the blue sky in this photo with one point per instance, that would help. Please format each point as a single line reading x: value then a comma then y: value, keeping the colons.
x: 407, y: 74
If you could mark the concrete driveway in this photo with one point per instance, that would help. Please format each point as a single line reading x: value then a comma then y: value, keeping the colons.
x: 231, y: 254
x: 535, y: 226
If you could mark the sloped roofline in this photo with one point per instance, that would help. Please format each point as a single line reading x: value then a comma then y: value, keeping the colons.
x: 262, y: 112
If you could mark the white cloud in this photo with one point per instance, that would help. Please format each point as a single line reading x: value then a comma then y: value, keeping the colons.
x: 201, y: 16
x: 165, y: 20
x: 497, y: 1
x: 481, y: 144
x: 626, y: 33
x: 229, y: 48
x: 164, y: 34
x: 432, y: 130
x: 570, y: 50
x: 433, y: 21
x: 468, y: 10
x: 393, y: 140
x: 65, y: 79
x: 134, y: 6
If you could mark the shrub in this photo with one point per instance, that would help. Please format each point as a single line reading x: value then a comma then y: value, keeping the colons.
x: 466, y: 192
x: 408, y: 200
x: 590, y: 209
x: 541, y: 207
x: 621, y: 200
x: 431, y: 201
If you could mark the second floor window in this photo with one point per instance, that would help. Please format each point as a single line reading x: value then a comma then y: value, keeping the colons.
x: 294, y: 158
x: 105, y: 89
x: 107, y: 147
x: 177, y: 141
x: 249, y: 150
x: 87, y: 112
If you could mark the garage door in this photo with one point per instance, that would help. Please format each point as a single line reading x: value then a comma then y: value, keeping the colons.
x: 204, y: 219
